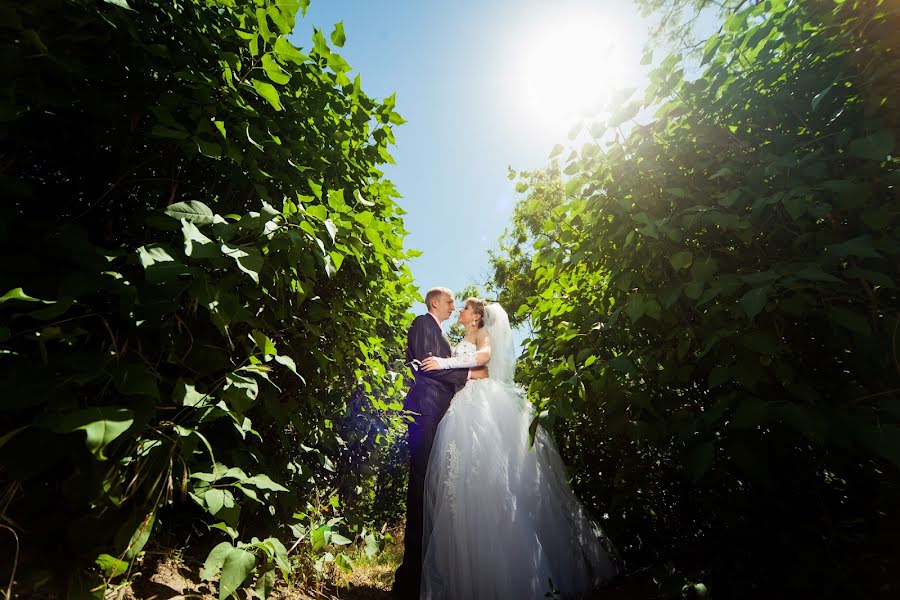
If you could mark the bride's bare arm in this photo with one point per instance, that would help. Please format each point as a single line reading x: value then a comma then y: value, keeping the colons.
x: 483, y: 345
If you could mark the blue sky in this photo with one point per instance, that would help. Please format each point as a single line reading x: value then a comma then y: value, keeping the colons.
x: 457, y: 69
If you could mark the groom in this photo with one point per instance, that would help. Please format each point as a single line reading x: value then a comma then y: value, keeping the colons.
x: 430, y: 397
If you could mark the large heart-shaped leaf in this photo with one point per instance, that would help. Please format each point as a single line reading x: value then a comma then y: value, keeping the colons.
x: 101, y: 425
x: 237, y: 568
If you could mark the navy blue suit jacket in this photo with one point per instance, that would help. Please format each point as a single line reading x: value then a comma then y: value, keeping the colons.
x: 432, y: 390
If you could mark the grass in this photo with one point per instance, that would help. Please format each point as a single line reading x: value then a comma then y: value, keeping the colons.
x: 376, y: 572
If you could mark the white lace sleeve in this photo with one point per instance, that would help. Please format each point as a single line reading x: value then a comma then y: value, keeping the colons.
x: 463, y: 357
x: 461, y: 361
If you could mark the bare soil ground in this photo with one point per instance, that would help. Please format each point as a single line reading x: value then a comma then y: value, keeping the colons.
x: 173, y: 581
x: 166, y: 579
x: 163, y: 577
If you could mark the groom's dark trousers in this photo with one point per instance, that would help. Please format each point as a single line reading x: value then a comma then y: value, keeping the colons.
x: 430, y: 397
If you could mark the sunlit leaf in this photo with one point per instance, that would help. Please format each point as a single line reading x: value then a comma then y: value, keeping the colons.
x: 236, y: 569
x: 337, y: 36
x: 267, y: 91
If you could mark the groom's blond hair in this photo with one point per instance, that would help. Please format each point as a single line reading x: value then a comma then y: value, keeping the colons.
x: 435, y: 292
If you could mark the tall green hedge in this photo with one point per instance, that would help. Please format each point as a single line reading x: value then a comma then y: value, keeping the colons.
x: 203, y: 265
x: 714, y: 298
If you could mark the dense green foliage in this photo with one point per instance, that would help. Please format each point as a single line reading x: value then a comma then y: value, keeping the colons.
x: 715, y: 313
x: 203, y: 275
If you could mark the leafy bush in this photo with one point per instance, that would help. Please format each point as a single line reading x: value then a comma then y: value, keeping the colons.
x: 715, y: 308
x: 203, y: 265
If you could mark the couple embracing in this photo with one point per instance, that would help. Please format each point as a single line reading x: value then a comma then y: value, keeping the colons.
x: 488, y: 516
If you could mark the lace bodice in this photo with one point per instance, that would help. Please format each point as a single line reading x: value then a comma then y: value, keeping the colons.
x: 464, y: 348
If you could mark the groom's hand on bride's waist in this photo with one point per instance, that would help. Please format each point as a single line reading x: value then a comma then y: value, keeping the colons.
x: 478, y: 373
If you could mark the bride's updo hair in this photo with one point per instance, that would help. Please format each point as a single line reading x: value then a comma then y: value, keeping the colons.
x: 477, y: 306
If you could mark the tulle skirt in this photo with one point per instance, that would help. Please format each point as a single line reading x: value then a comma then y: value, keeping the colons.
x: 501, y: 521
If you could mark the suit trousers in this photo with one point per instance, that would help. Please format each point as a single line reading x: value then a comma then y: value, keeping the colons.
x: 421, y: 438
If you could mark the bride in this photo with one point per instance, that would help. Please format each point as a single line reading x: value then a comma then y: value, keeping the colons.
x: 501, y: 521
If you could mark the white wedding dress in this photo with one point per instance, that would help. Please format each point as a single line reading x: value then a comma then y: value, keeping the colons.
x: 501, y: 521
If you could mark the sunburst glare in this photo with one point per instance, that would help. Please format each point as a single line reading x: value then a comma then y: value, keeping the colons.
x: 568, y: 66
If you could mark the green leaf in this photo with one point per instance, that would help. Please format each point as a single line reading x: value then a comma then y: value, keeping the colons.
x: 265, y: 584
x: 318, y: 537
x: 681, y: 260
x: 623, y: 364
x: 730, y: 198
x: 332, y: 229
x: 263, y: 482
x: 264, y: 343
x: 250, y: 262
x: 246, y: 385
x: 55, y: 310
x: 192, y: 211
x: 11, y: 434
x: 814, y: 273
x: 215, y: 560
x: 111, y: 566
x: 215, y: 500
x: 237, y: 568
x: 250, y: 493
x: 669, y: 296
x: 693, y: 290
x: 873, y: 147
x: 232, y: 533
x: 653, y: 309
x: 286, y: 51
x: 754, y: 301
x: 140, y: 537
x: 315, y: 188
x: 288, y: 362
x: 19, y: 294
x: 817, y: 99
x: 159, y: 265
x: 267, y: 91
x: 635, y: 307
x: 185, y: 394
x: 372, y: 547
x: 344, y: 563
x: 101, y: 425
x: 704, y: 270
x: 119, y: 3
x: 339, y: 540
x: 274, y: 71
x: 337, y: 36
x: 196, y: 244
x: 859, y: 246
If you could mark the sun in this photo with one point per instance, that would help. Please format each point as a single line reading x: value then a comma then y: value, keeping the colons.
x: 568, y: 67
